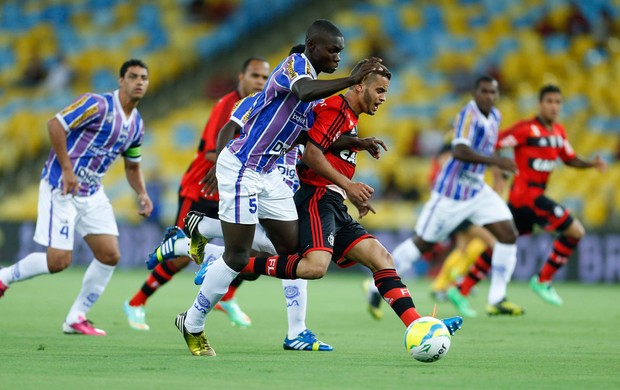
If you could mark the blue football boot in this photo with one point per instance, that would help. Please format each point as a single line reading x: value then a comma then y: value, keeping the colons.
x: 453, y: 324
x: 306, y: 341
x: 165, y: 250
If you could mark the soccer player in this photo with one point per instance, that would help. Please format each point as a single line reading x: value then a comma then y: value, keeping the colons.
x: 250, y: 189
x: 251, y: 79
x: 86, y: 138
x: 460, y: 194
x: 537, y: 144
x: 327, y: 232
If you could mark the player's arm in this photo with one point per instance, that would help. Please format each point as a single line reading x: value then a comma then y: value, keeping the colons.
x: 463, y: 152
x: 358, y: 193
x: 578, y: 162
x: 308, y: 89
x: 58, y: 138
x: 135, y: 178
x: 227, y: 133
x: 370, y: 144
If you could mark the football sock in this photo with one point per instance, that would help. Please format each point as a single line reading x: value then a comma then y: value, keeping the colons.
x: 162, y: 273
x: 262, y: 243
x: 405, y: 254
x: 214, y: 286
x: 502, y: 266
x: 396, y: 294
x: 563, y: 246
x: 181, y: 247
x: 95, y: 280
x: 281, y: 267
x: 232, y: 289
x: 444, y: 276
x: 473, y: 250
x: 213, y: 251
x: 30, y: 266
x: 477, y: 272
x: 296, y: 295
x: 210, y: 228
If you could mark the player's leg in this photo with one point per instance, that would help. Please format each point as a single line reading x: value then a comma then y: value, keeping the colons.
x: 55, y: 229
x: 369, y: 252
x: 553, y: 216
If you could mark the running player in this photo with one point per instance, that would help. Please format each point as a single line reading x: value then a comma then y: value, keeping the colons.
x: 460, y: 193
x: 537, y: 144
x: 86, y: 138
x: 251, y: 190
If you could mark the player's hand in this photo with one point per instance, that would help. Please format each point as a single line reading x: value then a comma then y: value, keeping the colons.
x: 209, y: 182
x: 599, y: 164
x: 359, y: 193
x: 373, y: 146
x: 363, y: 210
x: 146, y: 205
x: 70, y: 183
x: 368, y: 65
x: 506, y: 164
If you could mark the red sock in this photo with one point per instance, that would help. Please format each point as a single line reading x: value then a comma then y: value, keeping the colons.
x: 478, y: 271
x: 162, y: 273
x: 232, y: 289
x: 281, y: 267
x: 563, y: 246
x: 396, y: 294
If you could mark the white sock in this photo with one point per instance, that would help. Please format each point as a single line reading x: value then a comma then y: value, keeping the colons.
x: 210, y: 228
x: 214, y: 286
x: 262, y: 243
x: 213, y: 251
x: 405, y: 254
x: 181, y: 247
x: 296, y: 295
x: 30, y: 266
x: 503, y: 265
x: 95, y: 280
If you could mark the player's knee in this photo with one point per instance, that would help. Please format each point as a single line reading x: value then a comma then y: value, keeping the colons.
x: 575, y: 230
x: 57, y: 263
x: 110, y: 258
x: 308, y: 269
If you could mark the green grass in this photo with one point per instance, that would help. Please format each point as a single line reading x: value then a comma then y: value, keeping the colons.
x: 573, y: 347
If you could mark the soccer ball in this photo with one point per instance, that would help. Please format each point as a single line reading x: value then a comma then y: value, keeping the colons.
x: 427, y: 339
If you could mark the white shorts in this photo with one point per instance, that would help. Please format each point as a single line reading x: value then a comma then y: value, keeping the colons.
x: 441, y: 215
x: 59, y: 216
x: 247, y: 196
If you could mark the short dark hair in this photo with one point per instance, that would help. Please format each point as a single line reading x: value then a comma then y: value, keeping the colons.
x: 320, y: 27
x: 299, y: 48
x: 246, y: 63
x: 549, y: 88
x: 483, y: 79
x: 132, y: 62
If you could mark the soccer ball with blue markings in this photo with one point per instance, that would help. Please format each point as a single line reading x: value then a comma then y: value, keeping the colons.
x: 427, y: 339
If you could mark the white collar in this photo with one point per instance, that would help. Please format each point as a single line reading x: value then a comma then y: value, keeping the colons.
x: 485, y: 119
x: 311, y: 67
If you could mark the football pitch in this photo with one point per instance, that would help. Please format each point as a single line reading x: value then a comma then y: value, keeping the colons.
x: 576, y: 346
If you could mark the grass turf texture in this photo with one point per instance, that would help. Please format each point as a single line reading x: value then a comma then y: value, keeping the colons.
x: 575, y: 346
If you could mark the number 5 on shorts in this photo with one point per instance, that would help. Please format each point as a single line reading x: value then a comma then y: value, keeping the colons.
x: 253, y: 206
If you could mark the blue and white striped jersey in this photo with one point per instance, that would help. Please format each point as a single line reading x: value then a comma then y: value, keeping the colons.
x: 275, y: 118
x: 461, y: 180
x: 97, y: 132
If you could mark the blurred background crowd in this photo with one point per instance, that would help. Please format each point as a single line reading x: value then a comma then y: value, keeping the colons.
x: 53, y: 50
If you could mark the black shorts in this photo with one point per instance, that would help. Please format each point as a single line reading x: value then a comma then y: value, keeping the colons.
x: 325, y: 224
x: 544, y: 212
x: 208, y: 207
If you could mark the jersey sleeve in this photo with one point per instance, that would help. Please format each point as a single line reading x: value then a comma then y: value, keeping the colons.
x: 243, y: 109
x: 81, y: 112
x: 325, y: 130
x: 220, y: 115
x: 567, y: 152
x: 513, y: 136
x: 295, y: 67
x: 464, y: 128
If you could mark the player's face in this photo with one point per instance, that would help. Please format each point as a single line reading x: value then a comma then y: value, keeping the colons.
x: 254, y: 78
x: 485, y: 95
x: 325, y: 52
x: 550, y: 106
x: 135, y: 83
x: 374, y: 94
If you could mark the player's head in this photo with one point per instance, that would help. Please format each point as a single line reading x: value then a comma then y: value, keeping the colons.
x: 367, y: 96
x: 550, y: 102
x: 486, y: 92
x: 253, y: 76
x: 324, y: 42
x: 299, y: 48
x: 134, y: 79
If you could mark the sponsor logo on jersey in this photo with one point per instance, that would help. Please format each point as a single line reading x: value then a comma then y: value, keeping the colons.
x: 542, y: 165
